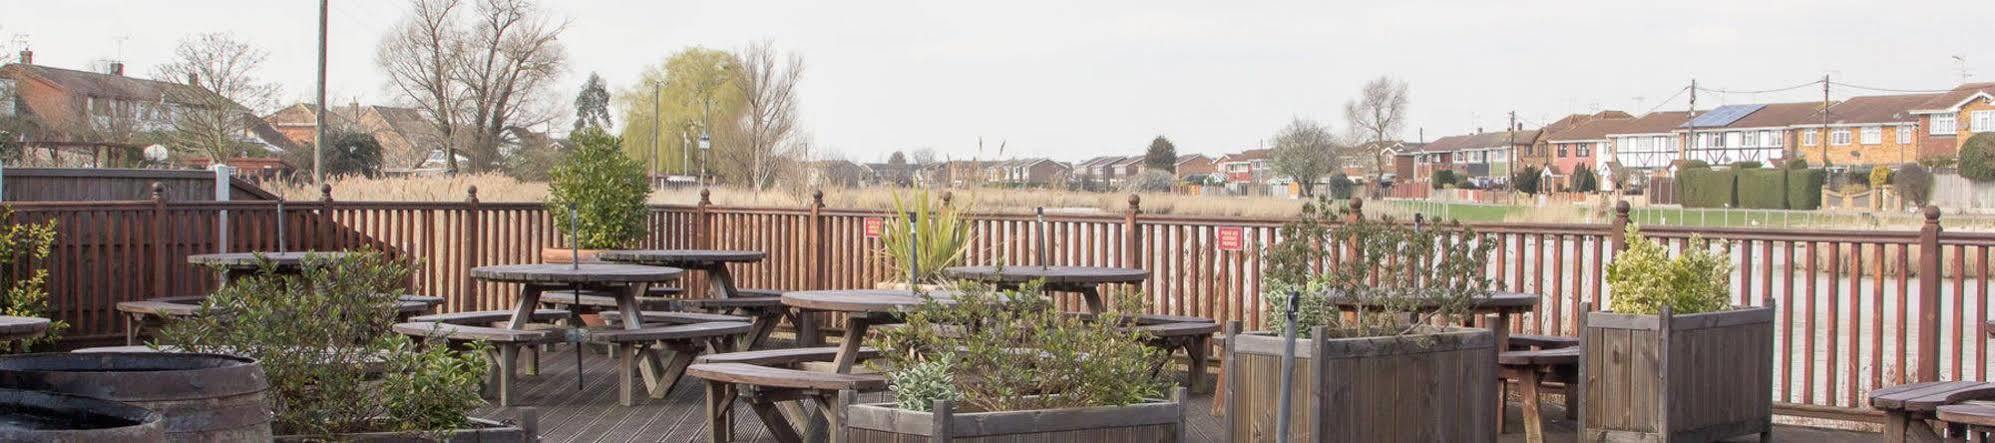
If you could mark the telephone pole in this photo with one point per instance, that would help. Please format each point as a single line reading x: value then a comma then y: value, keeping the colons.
x: 1825, y: 120
x: 319, y: 117
x: 1690, y: 125
x: 1512, y: 133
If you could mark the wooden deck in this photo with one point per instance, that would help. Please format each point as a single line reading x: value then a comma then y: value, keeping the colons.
x: 592, y: 414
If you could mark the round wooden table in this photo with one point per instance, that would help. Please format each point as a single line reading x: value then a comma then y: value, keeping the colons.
x: 867, y: 308
x: 236, y: 265
x: 15, y: 329
x: 1084, y: 280
x: 625, y: 282
x: 766, y: 312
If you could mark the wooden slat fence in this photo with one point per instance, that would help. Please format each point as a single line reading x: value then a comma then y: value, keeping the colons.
x: 1856, y: 310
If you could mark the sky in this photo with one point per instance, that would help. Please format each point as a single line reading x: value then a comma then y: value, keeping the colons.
x: 1071, y: 80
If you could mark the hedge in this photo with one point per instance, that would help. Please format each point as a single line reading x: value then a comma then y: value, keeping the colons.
x: 1762, y: 188
x: 1804, y: 188
x: 1705, y: 188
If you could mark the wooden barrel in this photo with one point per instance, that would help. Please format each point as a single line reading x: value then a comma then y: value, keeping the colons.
x: 47, y: 416
x: 200, y: 397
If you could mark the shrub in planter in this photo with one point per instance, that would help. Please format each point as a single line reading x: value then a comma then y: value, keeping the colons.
x: 1673, y: 361
x: 939, y: 238
x: 604, y: 187
x: 26, y: 293
x: 334, y: 370
x: 1387, y: 373
x: 1009, y: 364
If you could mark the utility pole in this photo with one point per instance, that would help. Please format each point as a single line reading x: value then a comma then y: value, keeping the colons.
x: 1512, y: 133
x: 1690, y: 125
x: 319, y: 117
x: 657, y: 91
x: 1825, y: 120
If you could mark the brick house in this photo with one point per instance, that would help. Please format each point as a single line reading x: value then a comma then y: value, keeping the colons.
x: 1245, y: 170
x: 1124, y: 168
x: 1030, y: 172
x: 1189, y: 165
x: 407, y: 139
x: 1750, y: 132
x: 1540, y: 152
x: 80, y: 118
x: 1871, y: 130
x: 1095, y: 173
x: 1584, y: 145
x: 1951, y: 117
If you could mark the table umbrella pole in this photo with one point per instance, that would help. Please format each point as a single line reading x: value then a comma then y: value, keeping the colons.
x: 1040, y: 212
x: 1284, y: 403
x: 913, y: 251
x: 281, y: 220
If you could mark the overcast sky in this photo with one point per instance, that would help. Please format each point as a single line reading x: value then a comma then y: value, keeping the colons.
x: 1072, y: 79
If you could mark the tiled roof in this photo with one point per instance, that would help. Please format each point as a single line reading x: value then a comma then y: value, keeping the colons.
x: 114, y: 86
x: 1777, y: 115
x: 1247, y: 155
x: 1654, y: 123
x: 1873, y: 109
x: 1946, y: 101
x: 1591, y: 130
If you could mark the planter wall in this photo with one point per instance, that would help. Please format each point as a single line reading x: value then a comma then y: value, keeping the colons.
x: 201, y: 397
x: 1435, y: 386
x: 1697, y: 377
x: 482, y: 431
x: 1161, y: 421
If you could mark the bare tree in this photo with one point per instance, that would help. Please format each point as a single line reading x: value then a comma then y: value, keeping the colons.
x: 1304, y: 152
x: 768, y: 137
x: 214, y: 114
x: 1377, y: 117
x: 475, y: 79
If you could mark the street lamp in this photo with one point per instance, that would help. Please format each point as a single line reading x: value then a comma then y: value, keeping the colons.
x: 706, y: 146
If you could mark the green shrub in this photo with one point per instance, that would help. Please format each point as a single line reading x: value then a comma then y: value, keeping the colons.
x: 1977, y: 157
x: 1072, y: 361
x: 1706, y: 188
x: 1433, y: 271
x: 605, y: 188
x: 1527, y: 180
x: 1584, y: 180
x: 27, y: 244
x: 1443, y: 178
x: 1938, y: 161
x: 352, y: 374
x: 1762, y: 188
x: 1804, y: 188
x: 1914, y: 182
x: 940, y: 237
x: 1693, y: 164
x: 1341, y: 186
x: 1644, y: 279
x: 1879, y: 176
x: 1796, y: 163
x: 1748, y: 164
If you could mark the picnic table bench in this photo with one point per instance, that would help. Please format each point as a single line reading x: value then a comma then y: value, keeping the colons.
x: 1908, y: 408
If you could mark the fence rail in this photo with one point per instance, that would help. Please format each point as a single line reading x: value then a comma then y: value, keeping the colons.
x: 1857, y: 309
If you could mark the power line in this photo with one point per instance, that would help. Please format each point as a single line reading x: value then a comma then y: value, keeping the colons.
x: 1789, y: 88
x: 1907, y: 91
x: 1664, y: 102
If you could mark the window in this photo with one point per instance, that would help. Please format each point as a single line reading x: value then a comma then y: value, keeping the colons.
x: 1943, y: 124
x: 1839, y: 136
x: 1585, y: 149
x: 1808, y: 137
x: 1562, y: 150
x: 1904, y: 135
x: 1769, y: 139
x: 1873, y: 135
x: 1984, y: 121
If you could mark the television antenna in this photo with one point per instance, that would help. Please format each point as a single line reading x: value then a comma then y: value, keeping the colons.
x: 1960, y: 64
x: 120, y: 45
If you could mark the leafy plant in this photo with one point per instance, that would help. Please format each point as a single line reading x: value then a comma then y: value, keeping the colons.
x: 1938, y: 161
x: 917, y: 387
x: 322, y: 339
x: 939, y: 237
x: 1526, y: 180
x: 1879, y: 176
x: 1397, y: 270
x: 1977, y: 157
x: 1797, y: 163
x: 1341, y: 186
x: 1914, y: 182
x: 1583, y: 180
x: 606, y: 189
x: 1644, y: 279
x: 1443, y: 178
x: 26, y: 244
x: 1011, y: 350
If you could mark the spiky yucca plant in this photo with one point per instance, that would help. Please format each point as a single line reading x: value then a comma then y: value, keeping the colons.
x: 939, y: 234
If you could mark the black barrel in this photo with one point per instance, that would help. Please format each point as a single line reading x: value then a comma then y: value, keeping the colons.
x: 200, y: 397
x: 50, y: 417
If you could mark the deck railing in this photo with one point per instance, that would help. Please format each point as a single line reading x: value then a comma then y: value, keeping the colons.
x: 1857, y: 309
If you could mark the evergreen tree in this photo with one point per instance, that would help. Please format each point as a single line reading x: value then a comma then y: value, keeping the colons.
x: 1162, y: 156
x: 592, y: 106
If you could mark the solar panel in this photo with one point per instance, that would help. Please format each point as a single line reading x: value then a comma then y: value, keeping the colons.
x: 1722, y: 116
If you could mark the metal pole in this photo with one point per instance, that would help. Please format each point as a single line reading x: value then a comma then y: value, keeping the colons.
x: 1040, y: 212
x: 575, y: 263
x: 319, y: 118
x: 1283, y: 403
x: 281, y: 221
x: 913, y: 250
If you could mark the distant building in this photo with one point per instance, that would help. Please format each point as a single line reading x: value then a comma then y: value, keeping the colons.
x: 408, y: 140
x: 1095, y: 173
x: 1189, y: 166
x: 1029, y: 172
x: 1751, y: 132
x: 1950, y: 118
x: 1540, y: 152
x: 80, y: 118
x: 1871, y: 130
x: 1647, y: 143
x: 1246, y: 170
x: 839, y: 173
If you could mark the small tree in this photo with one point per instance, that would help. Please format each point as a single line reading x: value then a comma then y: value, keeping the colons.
x: 606, y: 189
x: 1977, y: 157
x: 1443, y: 178
x: 1584, y: 180
x: 1151, y: 181
x: 592, y: 105
x: 1406, y: 272
x: 1879, y: 176
x: 350, y: 153
x: 1914, y: 182
x: 26, y: 293
x: 1526, y: 180
x: 1162, y: 155
x: 1304, y: 151
x: 1341, y: 186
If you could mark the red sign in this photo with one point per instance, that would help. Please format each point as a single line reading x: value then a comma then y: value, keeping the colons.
x: 874, y: 226
x: 1231, y: 238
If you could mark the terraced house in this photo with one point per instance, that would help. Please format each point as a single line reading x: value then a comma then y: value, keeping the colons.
x: 1648, y: 143
x: 1950, y: 118
x: 1870, y: 130
x: 1735, y: 133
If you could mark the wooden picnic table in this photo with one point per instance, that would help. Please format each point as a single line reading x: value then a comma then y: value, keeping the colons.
x: 1084, y: 280
x: 724, y: 297
x: 16, y: 329
x: 625, y: 282
x: 867, y: 307
x: 236, y: 265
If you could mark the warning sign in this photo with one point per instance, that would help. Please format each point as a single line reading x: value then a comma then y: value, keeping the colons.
x: 874, y: 227
x: 1231, y: 238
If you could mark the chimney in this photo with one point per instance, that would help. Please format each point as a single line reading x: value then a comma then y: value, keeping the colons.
x: 27, y: 57
x: 1478, y: 129
x: 193, y: 79
x: 118, y: 68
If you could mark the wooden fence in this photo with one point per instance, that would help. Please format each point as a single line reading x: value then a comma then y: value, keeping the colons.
x: 1857, y: 309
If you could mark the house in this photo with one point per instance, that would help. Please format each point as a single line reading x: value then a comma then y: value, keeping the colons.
x: 407, y: 138
x: 955, y: 173
x: 1094, y: 173
x: 1031, y: 172
x: 1872, y: 130
x: 891, y: 174
x: 1437, y: 155
x: 1191, y: 166
x: 842, y: 173
x: 1752, y: 132
x: 1246, y: 170
x: 1539, y: 153
x: 1950, y: 118
x: 1582, y: 145
x: 1124, y: 168
x: 1486, y: 156
x: 81, y: 118
x: 1647, y: 143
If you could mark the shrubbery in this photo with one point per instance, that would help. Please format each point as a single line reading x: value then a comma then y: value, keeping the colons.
x: 1645, y: 279
x: 1526, y: 180
x: 1977, y: 157
x: 1915, y: 183
x: 1762, y: 188
x: 1804, y: 188
x: 1443, y: 178
x: 1584, y: 180
x: 1706, y: 188
x: 605, y: 188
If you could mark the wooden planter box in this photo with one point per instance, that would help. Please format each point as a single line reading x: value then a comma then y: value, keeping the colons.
x: 1697, y: 377
x: 1159, y: 421
x: 1438, y: 385
x: 482, y: 431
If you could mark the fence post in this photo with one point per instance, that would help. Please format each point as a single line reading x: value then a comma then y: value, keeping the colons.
x: 472, y: 241
x: 1617, y: 232
x: 819, y: 261
x: 1929, y: 297
x: 326, y: 231
x: 222, y: 192
x: 702, y: 239
x: 159, y: 237
x: 1132, y: 241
